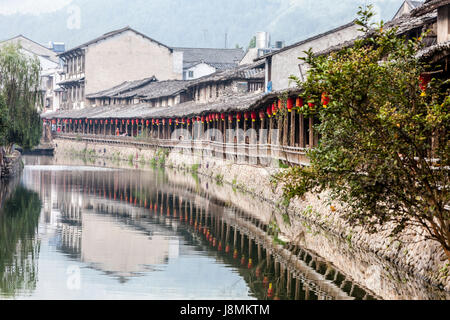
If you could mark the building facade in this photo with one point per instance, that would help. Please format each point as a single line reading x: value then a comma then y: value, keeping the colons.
x: 117, y: 56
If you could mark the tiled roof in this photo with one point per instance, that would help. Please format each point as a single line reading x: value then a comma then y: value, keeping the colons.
x: 224, y: 57
x: 121, y: 88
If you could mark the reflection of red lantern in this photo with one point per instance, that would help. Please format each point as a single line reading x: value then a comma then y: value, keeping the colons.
x: 290, y: 104
x: 250, y: 264
x: 227, y: 248
x: 270, y: 291
x: 243, y: 260
x: 235, y: 254
x: 265, y: 282
x: 142, y: 121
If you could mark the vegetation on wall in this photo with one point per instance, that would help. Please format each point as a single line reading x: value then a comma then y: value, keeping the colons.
x: 384, y: 134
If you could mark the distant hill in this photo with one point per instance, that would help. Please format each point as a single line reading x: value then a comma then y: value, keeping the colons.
x: 192, y: 23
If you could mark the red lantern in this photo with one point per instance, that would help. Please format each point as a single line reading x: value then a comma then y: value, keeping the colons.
x: 222, y: 116
x: 230, y: 117
x: 85, y: 121
x: 106, y: 121
x: 153, y: 122
x: 311, y: 105
x: 182, y: 121
x: 142, y: 121
x: 170, y: 122
x: 217, y: 117
x: 188, y: 121
x: 325, y: 99
x: 274, y: 109
x: 238, y: 117
x: 269, y: 111
x: 157, y: 122
x: 128, y: 121
x: 261, y: 114
x: 424, y: 79
x: 147, y: 123
x: 90, y: 121
x: 253, y: 115
x: 290, y: 104
x: 101, y: 121
x: 299, y: 102
x: 176, y: 121
x: 132, y: 122
x: 246, y: 116
x: 70, y: 120
x: 203, y: 119
x: 123, y: 121
x: 163, y: 122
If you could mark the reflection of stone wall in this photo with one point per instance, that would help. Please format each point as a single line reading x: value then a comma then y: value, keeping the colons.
x: 11, y: 166
x: 422, y: 258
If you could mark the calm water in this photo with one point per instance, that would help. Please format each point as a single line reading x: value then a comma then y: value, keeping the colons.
x: 80, y: 232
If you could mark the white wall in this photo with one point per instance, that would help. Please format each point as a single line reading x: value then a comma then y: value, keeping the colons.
x: 200, y: 70
x: 125, y: 57
x: 286, y: 63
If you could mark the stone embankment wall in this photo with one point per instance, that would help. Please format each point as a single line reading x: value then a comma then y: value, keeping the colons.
x: 414, y: 254
x: 11, y: 165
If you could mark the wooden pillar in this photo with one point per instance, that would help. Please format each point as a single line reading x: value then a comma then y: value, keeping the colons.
x: 311, y: 132
x: 301, y: 129
x: 293, y: 128
x: 285, y: 129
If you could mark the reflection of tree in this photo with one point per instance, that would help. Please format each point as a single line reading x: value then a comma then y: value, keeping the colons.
x: 19, y: 247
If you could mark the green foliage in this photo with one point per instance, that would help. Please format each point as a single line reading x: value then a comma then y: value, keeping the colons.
x: 219, y: 179
x: 252, y: 43
x: 194, y: 167
x: 19, y: 87
x: 379, y: 133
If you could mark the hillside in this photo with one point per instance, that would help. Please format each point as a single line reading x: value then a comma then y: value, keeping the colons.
x: 191, y: 23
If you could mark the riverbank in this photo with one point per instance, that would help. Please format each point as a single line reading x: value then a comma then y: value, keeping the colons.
x: 420, y: 258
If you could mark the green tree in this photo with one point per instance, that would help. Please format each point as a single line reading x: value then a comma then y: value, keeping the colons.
x: 252, y: 43
x: 20, y: 88
x: 384, y: 134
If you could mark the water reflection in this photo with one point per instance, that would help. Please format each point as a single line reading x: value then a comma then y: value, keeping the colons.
x: 19, y: 246
x: 129, y: 225
x: 122, y: 233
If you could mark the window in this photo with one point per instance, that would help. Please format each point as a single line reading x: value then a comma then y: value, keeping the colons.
x: 191, y: 74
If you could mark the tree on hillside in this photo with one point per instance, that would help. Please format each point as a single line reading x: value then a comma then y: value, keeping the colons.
x: 19, y: 88
x: 384, y: 134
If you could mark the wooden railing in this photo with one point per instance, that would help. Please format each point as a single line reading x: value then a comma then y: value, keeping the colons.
x: 258, y: 154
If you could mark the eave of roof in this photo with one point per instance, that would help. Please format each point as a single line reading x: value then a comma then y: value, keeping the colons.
x: 429, y: 6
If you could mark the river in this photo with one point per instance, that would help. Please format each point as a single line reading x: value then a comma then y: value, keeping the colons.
x: 81, y: 230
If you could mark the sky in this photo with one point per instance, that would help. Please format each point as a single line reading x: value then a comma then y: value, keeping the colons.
x: 191, y: 23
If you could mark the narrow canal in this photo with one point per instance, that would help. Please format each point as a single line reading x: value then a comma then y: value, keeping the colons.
x: 90, y: 232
